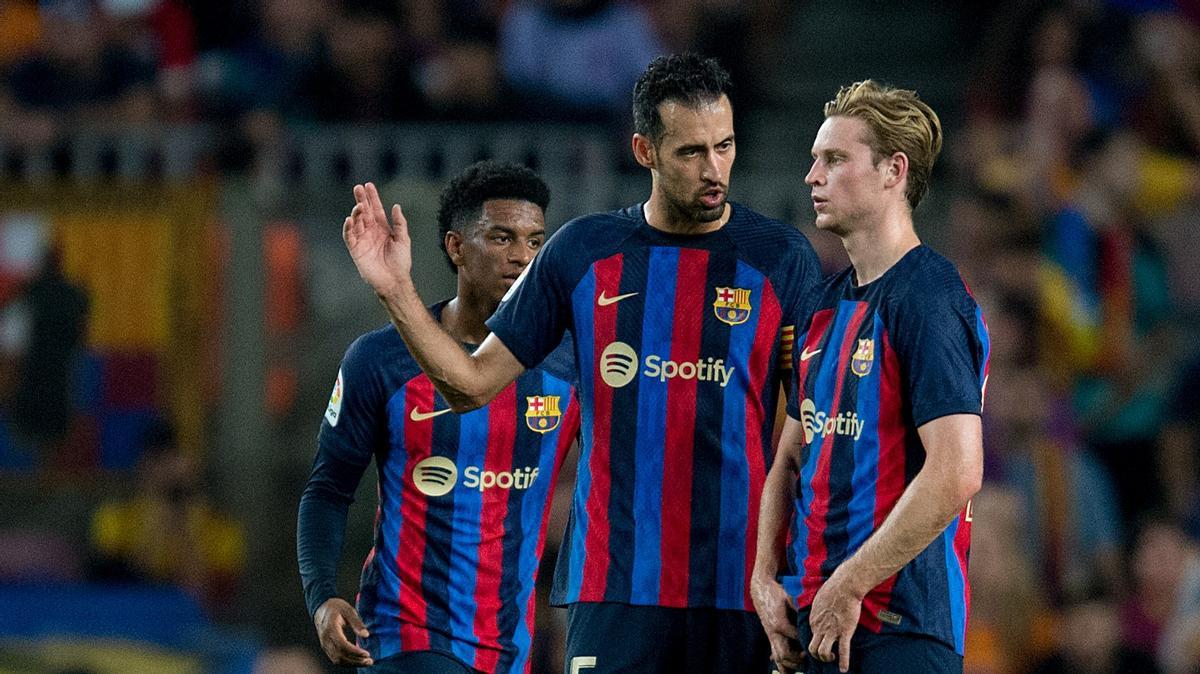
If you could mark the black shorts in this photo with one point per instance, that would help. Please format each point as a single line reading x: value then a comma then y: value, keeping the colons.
x: 872, y: 653
x: 418, y: 662
x: 603, y: 638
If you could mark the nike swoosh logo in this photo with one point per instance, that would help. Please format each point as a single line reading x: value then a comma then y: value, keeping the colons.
x: 806, y: 354
x: 605, y: 301
x: 418, y: 415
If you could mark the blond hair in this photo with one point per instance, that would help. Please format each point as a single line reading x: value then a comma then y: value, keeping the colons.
x: 898, y: 121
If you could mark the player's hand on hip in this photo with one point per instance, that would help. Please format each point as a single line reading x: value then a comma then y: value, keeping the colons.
x: 772, y: 604
x: 833, y: 618
x: 332, y: 619
x: 381, y: 251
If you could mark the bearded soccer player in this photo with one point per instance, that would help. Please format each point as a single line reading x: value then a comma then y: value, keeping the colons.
x: 677, y: 308
x: 448, y: 587
x: 882, y: 448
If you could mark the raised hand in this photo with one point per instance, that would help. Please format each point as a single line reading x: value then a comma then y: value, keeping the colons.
x: 381, y: 251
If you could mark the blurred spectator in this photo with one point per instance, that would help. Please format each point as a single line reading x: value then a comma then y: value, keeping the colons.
x: 1072, y: 536
x: 167, y: 531
x: 1089, y: 642
x: 598, y: 48
x: 1164, y: 564
x: 1007, y: 608
x: 265, y: 71
x: 77, y: 75
x: 453, y: 46
x: 55, y: 311
x: 1170, y: 47
x: 359, y: 74
x: 20, y: 29
x: 161, y: 32
x: 1180, y: 466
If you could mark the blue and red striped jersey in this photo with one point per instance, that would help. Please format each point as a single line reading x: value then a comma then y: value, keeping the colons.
x: 872, y: 365
x: 678, y: 342
x: 463, y: 501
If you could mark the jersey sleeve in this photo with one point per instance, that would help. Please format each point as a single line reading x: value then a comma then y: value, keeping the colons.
x: 536, y: 311
x: 942, y: 342
x: 349, y: 433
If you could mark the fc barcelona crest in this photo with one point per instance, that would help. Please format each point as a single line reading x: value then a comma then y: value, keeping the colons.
x: 864, y: 356
x: 732, y: 305
x: 541, y: 413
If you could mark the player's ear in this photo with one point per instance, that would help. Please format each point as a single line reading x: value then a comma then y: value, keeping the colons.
x: 454, y: 244
x: 644, y: 152
x: 896, y: 169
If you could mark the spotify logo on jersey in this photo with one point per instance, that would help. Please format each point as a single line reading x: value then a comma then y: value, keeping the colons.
x: 435, y: 476
x: 819, y: 424
x: 618, y: 364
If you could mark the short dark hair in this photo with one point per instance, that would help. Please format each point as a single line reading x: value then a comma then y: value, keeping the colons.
x: 689, y: 78
x: 462, y: 200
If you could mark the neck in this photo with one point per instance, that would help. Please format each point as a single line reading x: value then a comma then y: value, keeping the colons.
x: 662, y: 216
x: 463, y: 317
x: 875, y: 249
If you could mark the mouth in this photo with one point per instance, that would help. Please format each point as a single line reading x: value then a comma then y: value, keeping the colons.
x: 712, y: 198
x: 819, y: 203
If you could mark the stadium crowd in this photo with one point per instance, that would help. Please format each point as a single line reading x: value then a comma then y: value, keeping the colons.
x: 1071, y: 190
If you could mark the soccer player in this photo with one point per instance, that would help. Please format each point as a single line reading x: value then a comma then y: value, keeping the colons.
x: 448, y: 587
x: 676, y: 308
x: 882, y: 449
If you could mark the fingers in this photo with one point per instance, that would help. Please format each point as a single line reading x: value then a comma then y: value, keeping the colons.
x: 844, y: 650
x: 341, y: 650
x: 374, y: 205
x: 821, y: 647
x: 400, y: 222
x: 357, y: 625
x: 784, y: 655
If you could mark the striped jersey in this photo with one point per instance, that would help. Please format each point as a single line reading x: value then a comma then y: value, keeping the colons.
x: 875, y: 363
x: 680, y: 344
x: 463, y: 501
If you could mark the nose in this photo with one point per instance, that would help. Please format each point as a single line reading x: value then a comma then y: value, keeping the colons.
x: 712, y: 167
x: 815, y: 176
x: 520, y: 253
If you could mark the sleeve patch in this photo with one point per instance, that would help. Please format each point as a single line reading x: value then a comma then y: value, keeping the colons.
x: 334, y: 410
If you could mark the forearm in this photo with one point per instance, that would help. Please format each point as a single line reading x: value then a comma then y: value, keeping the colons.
x: 774, y: 515
x: 775, y: 509
x: 926, y: 508
x: 455, y: 373
x: 320, y: 530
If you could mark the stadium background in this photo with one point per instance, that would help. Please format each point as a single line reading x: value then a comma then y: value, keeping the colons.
x: 187, y: 165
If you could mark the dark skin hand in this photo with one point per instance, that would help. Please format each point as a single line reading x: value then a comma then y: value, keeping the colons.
x: 332, y: 619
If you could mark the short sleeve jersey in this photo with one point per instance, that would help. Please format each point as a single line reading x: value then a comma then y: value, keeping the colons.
x: 463, y: 501
x: 678, y: 343
x: 873, y: 364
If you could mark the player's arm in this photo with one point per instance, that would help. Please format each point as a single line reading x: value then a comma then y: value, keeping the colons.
x: 951, y: 475
x: 320, y: 530
x: 382, y: 252
x: 771, y: 601
x: 351, y: 428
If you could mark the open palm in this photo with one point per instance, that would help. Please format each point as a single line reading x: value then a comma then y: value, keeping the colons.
x: 382, y: 252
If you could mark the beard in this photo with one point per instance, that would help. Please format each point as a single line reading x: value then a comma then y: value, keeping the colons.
x: 693, y: 210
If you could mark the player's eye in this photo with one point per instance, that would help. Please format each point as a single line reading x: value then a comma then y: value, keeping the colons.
x: 535, y: 243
